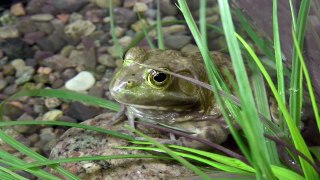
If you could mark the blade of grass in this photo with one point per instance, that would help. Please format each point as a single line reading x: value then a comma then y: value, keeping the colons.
x: 172, y: 154
x: 25, y: 150
x: 11, y: 174
x: 298, y: 141
x: 251, y: 127
x: 113, y: 30
x: 68, y: 124
x: 295, y: 97
x: 278, y: 57
x: 214, y: 76
x: 67, y: 95
x: 159, y: 28
x: 203, y: 21
x: 309, y: 83
x: 146, y: 35
x: 16, y: 162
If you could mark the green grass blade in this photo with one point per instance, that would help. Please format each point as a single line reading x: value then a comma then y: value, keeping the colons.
x: 12, y: 174
x: 203, y: 21
x: 68, y: 124
x: 251, y: 127
x: 278, y: 57
x: 146, y: 35
x: 113, y: 31
x: 159, y: 28
x: 25, y: 150
x: 67, y: 95
x: 214, y: 77
x: 18, y: 163
x: 295, y: 97
x: 309, y: 83
x: 172, y: 154
x: 298, y: 141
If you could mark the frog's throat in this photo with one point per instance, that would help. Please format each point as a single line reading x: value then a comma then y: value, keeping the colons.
x: 166, y: 115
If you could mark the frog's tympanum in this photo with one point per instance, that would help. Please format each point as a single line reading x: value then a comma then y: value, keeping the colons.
x: 154, y: 95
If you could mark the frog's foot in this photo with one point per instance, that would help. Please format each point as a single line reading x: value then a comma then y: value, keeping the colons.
x: 120, y: 116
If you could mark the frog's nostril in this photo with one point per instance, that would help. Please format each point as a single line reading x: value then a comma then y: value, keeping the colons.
x: 130, y: 83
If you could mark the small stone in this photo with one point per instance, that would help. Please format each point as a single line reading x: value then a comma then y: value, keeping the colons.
x: 17, y: 9
x: 25, y: 128
x: 52, y: 43
x: 124, y: 16
x: 82, y: 112
x: 81, y: 82
x: 11, y: 89
x: 79, y: 28
x: 63, y: 17
x: 107, y: 60
x: 66, y: 50
x: 52, y: 103
x: 68, y: 74
x: 8, y: 70
x: 176, y: 41
x: 119, y: 31
x: 113, y: 51
x: 16, y: 48
x: 105, y: 3
x: 167, y: 8
x: 59, y: 63
x: 3, y: 84
x: 44, y: 70
x: 125, y: 41
x: 42, y: 17
x: 129, y: 3
x: 33, y: 37
x: 137, y: 26
x: 96, y: 15
x: 8, y: 32
x: 18, y: 64
x: 52, y: 115
x: 190, y: 48
x: 140, y: 7
x: 41, y: 78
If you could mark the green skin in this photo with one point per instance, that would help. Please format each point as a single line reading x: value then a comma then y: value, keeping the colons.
x: 165, y: 99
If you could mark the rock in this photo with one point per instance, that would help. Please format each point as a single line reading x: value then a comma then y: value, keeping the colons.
x: 11, y: 89
x: 52, y: 43
x: 33, y: 37
x: 18, y: 64
x: 66, y: 50
x: 68, y: 74
x: 82, y: 112
x: 46, y: 27
x: 97, y: 90
x: 3, y: 84
x: 8, y: 70
x: 124, y: 17
x: 86, y: 60
x: 96, y: 15
x: 77, y: 142
x: 63, y: 18
x: 52, y: 115
x: 52, y: 103
x: 137, y: 26
x: 167, y: 8
x: 107, y: 60
x: 14, y: 109
x: 79, y: 28
x: 176, y: 41
x: 81, y: 82
x: 44, y: 70
x: 105, y: 3
x: 39, y: 55
x: 190, y: 48
x: 17, y: 9
x: 140, y: 7
x: 125, y: 41
x: 7, y: 19
x: 35, y: 6
x: 42, y: 17
x: 59, y: 63
x: 8, y: 32
x: 119, y: 31
x: 68, y: 6
x: 16, y: 48
x: 26, y: 26
x: 24, y: 75
x: 25, y: 129
x: 41, y: 78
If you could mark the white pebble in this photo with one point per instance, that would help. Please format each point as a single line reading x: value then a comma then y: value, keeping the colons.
x: 81, y: 82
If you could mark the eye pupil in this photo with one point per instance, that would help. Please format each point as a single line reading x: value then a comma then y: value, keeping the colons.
x: 160, y: 77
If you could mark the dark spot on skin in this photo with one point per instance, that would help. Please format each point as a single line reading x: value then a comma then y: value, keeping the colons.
x: 76, y: 149
x: 143, y: 167
x: 133, y: 74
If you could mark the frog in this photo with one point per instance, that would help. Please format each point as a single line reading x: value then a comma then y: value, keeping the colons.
x: 148, y: 92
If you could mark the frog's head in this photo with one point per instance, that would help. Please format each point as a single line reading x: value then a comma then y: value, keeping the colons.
x: 143, y: 87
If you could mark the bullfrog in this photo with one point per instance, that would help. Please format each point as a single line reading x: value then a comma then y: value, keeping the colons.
x: 154, y: 95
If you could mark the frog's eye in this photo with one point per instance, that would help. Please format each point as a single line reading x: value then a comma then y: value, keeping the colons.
x: 158, y: 78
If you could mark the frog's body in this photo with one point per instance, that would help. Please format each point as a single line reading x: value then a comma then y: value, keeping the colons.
x: 154, y: 95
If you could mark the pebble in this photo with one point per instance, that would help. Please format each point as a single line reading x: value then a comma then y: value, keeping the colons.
x: 82, y: 112
x: 81, y: 82
x: 29, y: 129
x: 59, y: 63
x: 42, y: 17
x: 80, y: 28
x: 107, y: 60
x: 168, y: 8
x: 105, y: 3
x: 44, y: 70
x: 140, y: 7
x: 17, y: 9
x: 125, y: 41
x: 176, y: 41
x: 52, y: 103
x: 8, y: 32
x: 16, y: 48
x: 52, y: 115
x: 3, y: 84
x: 139, y: 25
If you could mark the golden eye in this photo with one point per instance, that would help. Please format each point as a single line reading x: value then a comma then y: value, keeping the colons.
x: 158, y: 78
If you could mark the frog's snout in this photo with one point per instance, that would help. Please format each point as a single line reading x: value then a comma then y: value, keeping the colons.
x: 130, y: 83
